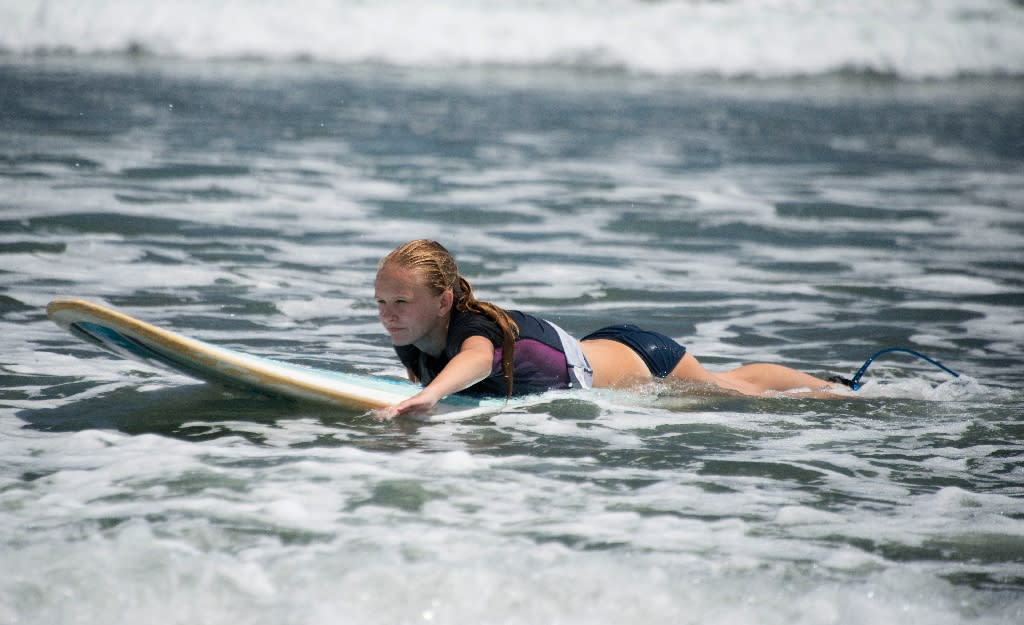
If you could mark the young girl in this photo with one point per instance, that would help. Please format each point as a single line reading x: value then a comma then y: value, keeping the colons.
x: 451, y: 342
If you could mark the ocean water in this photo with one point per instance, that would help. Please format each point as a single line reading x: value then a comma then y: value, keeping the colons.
x: 799, y: 182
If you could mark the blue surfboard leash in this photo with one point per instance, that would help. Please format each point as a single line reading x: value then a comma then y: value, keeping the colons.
x: 854, y: 382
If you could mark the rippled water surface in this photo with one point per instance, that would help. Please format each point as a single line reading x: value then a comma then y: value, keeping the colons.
x: 809, y: 222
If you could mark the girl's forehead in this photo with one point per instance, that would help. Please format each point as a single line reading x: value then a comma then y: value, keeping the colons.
x: 392, y: 277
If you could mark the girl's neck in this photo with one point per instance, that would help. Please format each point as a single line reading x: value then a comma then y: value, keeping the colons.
x: 434, y: 342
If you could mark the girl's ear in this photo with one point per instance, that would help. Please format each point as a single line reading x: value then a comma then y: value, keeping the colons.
x: 447, y: 300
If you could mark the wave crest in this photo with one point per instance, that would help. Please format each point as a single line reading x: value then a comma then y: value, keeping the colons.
x: 914, y: 39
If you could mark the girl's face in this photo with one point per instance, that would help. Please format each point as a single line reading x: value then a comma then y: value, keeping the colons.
x: 410, y: 312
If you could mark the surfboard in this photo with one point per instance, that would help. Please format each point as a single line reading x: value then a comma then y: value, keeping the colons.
x: 128, y: 337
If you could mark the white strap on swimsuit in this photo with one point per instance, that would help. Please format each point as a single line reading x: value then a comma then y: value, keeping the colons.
x: 581, y: 375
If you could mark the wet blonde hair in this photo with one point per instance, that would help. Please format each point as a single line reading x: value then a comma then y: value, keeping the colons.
x: 436, y: 267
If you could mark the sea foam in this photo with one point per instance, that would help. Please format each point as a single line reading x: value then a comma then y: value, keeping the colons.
x: 781, y: 38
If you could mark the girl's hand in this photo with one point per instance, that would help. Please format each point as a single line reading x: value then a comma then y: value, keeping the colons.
x: 416, y: 406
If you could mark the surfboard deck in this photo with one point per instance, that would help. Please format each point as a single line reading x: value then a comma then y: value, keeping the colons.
x: 128, y: 337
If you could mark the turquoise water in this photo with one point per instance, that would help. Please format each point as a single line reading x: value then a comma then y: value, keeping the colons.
x: 802, y: 220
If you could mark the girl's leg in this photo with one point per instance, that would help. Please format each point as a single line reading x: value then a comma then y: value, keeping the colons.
x: 618, y: 366
x: 689, y: 369
x: 769, y: 377
x: 754, y: 379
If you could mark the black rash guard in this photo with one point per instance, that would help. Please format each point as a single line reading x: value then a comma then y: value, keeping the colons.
x: 538, y: 365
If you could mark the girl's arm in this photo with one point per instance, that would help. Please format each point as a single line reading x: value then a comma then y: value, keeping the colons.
x: 472, y: 364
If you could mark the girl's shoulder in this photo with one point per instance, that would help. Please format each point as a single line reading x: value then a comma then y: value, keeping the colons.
x: 466, y: 324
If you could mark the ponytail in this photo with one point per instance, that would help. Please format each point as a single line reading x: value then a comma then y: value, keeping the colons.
x: 437, y: 267
x: 466, y: 301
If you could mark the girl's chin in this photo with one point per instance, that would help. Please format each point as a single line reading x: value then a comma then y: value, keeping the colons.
x: 399, y: 341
